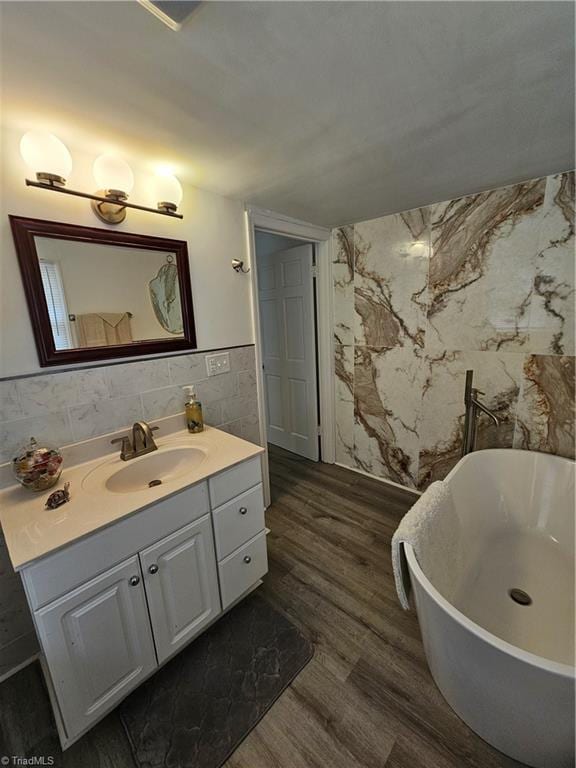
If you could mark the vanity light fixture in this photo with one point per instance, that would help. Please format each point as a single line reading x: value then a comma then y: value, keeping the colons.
x: 50, y: 161
x: 114, y: 180
x: 47, y: 157
x: 168, y: 191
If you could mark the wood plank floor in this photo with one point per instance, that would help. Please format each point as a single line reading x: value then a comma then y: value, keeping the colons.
x: 366, y: 699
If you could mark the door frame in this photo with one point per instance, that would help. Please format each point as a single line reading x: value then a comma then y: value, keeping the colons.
x: 277, y: 224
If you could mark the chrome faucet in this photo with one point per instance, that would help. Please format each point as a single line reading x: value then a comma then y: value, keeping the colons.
x: 142, y: 441
x: 473, y: 405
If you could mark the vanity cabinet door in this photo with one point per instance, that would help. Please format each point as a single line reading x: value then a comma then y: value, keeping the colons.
x: 181, y: 585
x: 97, y: 644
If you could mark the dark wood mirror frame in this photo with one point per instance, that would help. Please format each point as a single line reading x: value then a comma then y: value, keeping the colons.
x: 24, y: 231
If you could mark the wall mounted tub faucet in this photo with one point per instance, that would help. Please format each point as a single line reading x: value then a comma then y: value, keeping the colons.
x: 473, y: 405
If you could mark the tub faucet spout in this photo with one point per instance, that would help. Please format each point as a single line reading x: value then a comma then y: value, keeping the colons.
x: 473, y: 406
x: 477, y: 404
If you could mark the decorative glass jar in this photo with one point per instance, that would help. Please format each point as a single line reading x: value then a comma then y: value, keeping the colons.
x: 37, y: 467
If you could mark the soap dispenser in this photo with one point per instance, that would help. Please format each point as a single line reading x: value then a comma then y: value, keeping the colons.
x: 194, y: 418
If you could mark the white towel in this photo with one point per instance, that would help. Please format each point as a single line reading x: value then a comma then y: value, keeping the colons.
x: 432, y: 527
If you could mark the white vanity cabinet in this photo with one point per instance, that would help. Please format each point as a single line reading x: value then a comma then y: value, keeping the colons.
x: 97, y: 644
x: 237, y: 501
x: 238, y: 520
x: 242, y: 568
x: 181, y: 586
x: 113, y: 606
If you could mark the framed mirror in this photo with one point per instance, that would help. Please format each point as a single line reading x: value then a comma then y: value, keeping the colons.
x: 97, y: 294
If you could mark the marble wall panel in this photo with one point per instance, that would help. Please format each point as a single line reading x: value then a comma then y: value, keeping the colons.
x: 552, y: 304
x: 483, y: 282
x: 343, y: 279
x: 497, y: 374
x: 387, y: 410
x: 546, y: 408
x: 344, y: 403
x: 390, y: 280
x: 482, y: 269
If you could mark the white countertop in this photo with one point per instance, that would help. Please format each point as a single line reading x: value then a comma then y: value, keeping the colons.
x: 32, y: 532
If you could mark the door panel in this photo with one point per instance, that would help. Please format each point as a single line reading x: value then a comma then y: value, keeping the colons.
x: 289, y: 349
x: 292, y: 274
x: 274, y: 402
x: 294, y: 329
x: 97, y: 643
x: 181, y: 585
x: 271, y: 339
x: 297, y: 390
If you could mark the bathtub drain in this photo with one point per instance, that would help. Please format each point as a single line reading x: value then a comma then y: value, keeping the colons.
x: 520, y: 597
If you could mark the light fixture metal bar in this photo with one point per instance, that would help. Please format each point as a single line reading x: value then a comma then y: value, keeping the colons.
x: 101, y: 199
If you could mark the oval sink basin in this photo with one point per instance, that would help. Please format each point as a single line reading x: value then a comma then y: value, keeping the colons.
x: 161, y: 467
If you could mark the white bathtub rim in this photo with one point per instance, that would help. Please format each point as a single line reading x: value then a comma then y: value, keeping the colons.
x: 503, y: 452
x: 541, y: 662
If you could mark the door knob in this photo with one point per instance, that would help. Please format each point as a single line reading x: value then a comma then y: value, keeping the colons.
x: 243, y: 510
x: 247, y: 559
x: 134, y: 581
x: 153, y: 569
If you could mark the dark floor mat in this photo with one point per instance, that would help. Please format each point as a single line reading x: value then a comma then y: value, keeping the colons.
x: 195, y: 711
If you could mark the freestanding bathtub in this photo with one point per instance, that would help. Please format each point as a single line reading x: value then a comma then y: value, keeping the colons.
x: 504, y: 664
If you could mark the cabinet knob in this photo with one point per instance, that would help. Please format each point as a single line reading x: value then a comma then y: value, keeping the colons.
x: 153, y: 569
x: 243, y: 510
x: 134, y: 581
x: 247, y: 559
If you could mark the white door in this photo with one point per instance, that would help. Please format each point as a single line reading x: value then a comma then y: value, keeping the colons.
x: 97, y: 643
x: 286, y: 298
x: 181, y: 585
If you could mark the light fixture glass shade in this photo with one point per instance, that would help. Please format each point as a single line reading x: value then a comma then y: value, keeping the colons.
x: 167, y: 189
x: 111, y: 172
x: 45, y: 154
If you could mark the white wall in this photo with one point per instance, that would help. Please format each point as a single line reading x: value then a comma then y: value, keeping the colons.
x: 213, y: 227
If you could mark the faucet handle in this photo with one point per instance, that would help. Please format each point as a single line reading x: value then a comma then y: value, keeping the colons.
x: 126, y: 448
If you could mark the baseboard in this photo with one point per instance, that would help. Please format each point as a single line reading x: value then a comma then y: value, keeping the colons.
x: 380, y: 479
x: 18, y: 667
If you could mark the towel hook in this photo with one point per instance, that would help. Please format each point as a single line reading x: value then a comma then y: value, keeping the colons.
x: 238, y: 266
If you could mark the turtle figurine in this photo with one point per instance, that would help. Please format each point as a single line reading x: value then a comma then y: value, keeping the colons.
x: 59, y: 497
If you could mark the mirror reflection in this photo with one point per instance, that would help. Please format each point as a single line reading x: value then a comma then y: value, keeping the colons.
x: 104, y: 295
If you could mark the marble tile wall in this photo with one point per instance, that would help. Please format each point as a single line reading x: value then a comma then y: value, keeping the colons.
x: 70, y: 406
x: 483, y: 282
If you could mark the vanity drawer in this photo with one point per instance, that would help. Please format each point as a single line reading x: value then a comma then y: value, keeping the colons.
x: 238, y: 520
x: 235, y: 481
x: 240, y: 570
x: 75, y: 564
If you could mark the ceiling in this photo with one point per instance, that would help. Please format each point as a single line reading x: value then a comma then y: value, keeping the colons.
x: 329, y: 112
